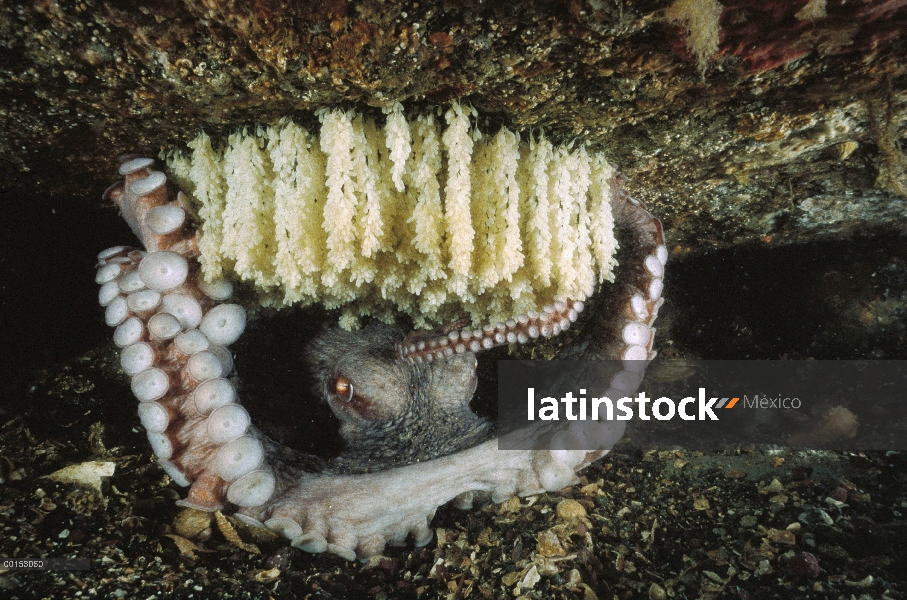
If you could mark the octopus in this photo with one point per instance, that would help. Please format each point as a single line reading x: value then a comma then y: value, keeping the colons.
x: 412, y: 443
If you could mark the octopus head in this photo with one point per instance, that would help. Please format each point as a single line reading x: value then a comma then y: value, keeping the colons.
x: 392, y: 412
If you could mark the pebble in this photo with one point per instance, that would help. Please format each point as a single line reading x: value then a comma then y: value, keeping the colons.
x: 656, y: 592
x: 748, y: 520
x: 569, y: 510
x: 549, y: 544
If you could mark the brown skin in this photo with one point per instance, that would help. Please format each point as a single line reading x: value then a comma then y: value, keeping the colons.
x: 393, y: 413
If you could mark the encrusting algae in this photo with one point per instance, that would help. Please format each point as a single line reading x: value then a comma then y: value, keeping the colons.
x: 427, y: 218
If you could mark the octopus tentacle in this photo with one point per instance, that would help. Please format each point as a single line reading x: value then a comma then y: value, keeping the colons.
x: 174, y: 329
x: 364, y: 512
x: 635, y: 297
x: 550, y: 321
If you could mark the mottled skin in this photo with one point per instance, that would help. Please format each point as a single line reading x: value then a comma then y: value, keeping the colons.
x: 393, y: 413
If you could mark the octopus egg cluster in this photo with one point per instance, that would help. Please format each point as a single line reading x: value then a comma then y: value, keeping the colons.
x: 427, y: 218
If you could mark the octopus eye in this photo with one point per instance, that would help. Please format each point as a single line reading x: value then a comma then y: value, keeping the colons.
x: 342, y: 387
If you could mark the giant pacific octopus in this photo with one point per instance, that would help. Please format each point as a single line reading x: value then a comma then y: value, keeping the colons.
x: 403, y: 400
